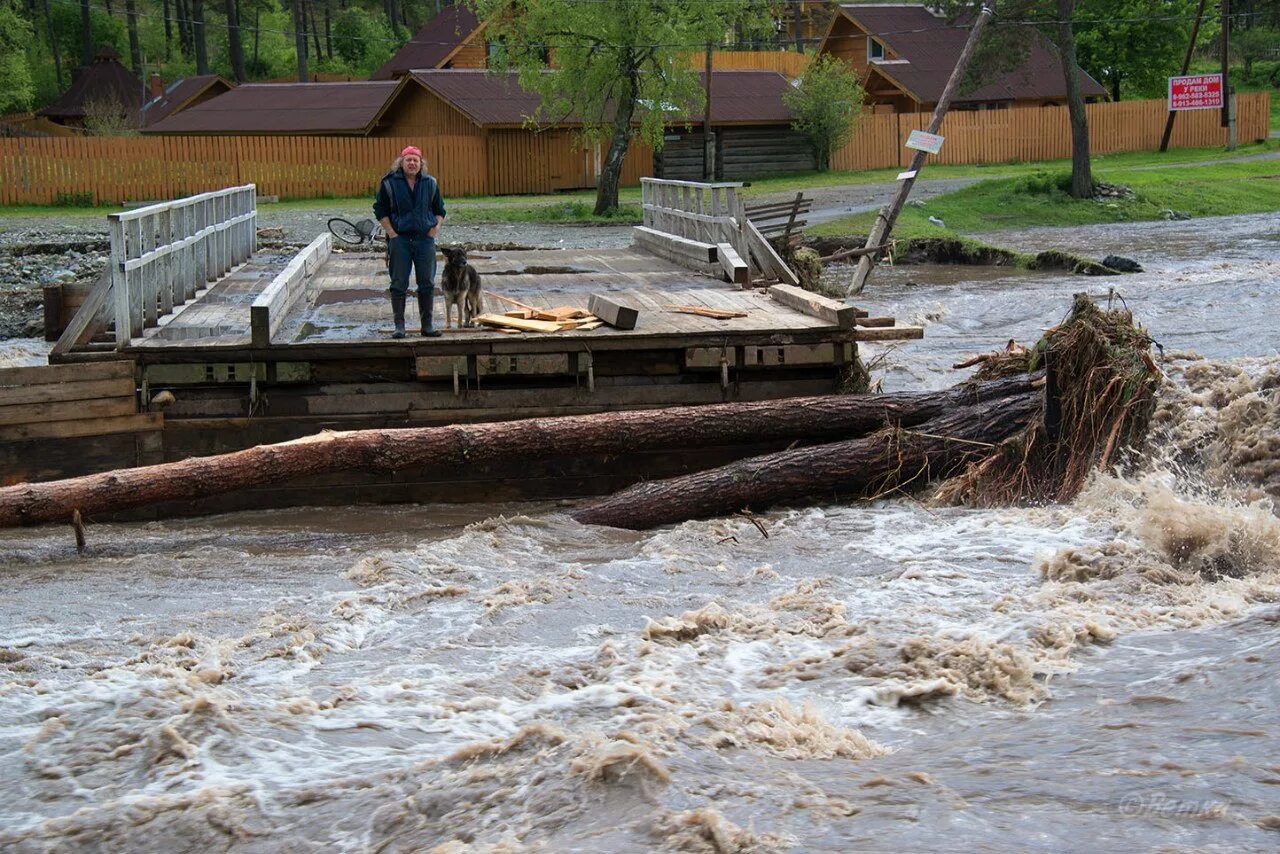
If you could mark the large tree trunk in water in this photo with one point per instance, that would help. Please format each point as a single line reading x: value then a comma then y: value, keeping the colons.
x: 197, y: 33
x: 864, y: 467
x: 234, y: 45
x: 811, y: 419
x: 1081, y: 174
x: 611, y: 172
x: 300, y: 40
x: 86, y: 34
x: 135, y: 50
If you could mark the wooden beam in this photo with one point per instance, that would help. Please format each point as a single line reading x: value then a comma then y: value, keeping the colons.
x: 65, y: 373
x: 674, y: 247
x: 815, y: 305
x: 81, y: 325
x: 63, y: 391
x: 105, y: 407
x: 890, y: 333
x: 612, y: 312
x: 143, y: 423
x: 269, y: 310
x: 769, y: 260
x: 732, y: 264
x: 501, y: 321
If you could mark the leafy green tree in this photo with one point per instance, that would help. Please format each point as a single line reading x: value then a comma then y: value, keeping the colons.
x: 616, y: 65
x: 826, y: 102
x: 1134, y: 45
x: 16, y: 89
x: 1253, y: 44
x: 1004, y: 47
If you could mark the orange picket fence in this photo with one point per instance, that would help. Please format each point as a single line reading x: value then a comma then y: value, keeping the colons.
x: 110, y: 170
x: 1044, y: 133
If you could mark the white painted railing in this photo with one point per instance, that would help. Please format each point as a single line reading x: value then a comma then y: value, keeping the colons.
x: 161, y: 255
x: 706, y: 212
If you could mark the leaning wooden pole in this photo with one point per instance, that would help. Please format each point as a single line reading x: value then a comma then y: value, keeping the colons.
x: 865, y: 467
x: 1186, y: 65
x: 879, y: 236
x: 809, y: 419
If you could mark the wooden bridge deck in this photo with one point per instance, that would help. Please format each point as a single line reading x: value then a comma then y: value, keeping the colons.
x: 346, y: 305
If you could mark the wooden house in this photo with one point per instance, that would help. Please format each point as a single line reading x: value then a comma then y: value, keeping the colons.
x: 452, y: 39
x: 105, y: 82
x: 489, y: 115
x: 181, y: 94
x: 904, y: 54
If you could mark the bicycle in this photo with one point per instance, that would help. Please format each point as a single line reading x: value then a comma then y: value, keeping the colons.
x: 361, y: 233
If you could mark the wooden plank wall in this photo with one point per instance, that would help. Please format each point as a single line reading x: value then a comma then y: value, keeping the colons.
x: 65, y: 401
x: 1044, y: 133
x: 786, y: 62
x: 114, y: 170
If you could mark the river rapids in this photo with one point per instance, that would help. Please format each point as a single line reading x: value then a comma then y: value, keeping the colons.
x: 887, y: 676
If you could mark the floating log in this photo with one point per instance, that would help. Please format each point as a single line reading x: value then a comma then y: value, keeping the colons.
x: 863, y: 467
x: 808, y: 419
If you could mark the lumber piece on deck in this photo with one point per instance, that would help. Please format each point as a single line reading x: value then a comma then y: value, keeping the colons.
x: 612, y: 312
x: 717, y: 313
x: 877, y: 321
x: 827, y: 417
x: 674, y: 247
x: 815, y: 305
x: 518, y: 323
x: 731, y: 262
x: 268, y: 311
x: 866, y: 467
x: 510, y: 301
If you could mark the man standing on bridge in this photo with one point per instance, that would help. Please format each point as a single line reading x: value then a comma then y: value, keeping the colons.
x: 411, y: 210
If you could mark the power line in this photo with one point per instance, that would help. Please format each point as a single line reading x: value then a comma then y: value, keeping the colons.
x: 699, y: 45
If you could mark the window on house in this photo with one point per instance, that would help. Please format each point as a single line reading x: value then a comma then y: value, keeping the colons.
x: 875, y: 50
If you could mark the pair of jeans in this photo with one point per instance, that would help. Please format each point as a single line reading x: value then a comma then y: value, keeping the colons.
x: 418, y: 252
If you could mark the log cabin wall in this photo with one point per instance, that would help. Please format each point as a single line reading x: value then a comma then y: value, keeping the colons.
x: 741, y: 152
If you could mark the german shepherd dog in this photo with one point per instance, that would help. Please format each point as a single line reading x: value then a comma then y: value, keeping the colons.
x: 461, y: 285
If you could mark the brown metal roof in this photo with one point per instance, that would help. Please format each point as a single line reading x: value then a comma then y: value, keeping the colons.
x: 329, y: 108
x: 179, y: 93
x: 105, y: 80
x: 748, y: 97
x: 438, y: 38
x: 931, y: 45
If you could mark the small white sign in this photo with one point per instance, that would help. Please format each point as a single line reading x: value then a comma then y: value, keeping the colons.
x: 921, y: 141
x: 902, y: 176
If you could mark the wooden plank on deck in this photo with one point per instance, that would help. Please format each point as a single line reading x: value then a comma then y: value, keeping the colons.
x: 815, y: 305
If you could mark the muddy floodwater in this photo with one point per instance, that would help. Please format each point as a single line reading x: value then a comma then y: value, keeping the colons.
x: 891, y: 676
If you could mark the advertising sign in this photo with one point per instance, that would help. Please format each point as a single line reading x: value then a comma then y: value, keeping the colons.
x: 1196, y: 92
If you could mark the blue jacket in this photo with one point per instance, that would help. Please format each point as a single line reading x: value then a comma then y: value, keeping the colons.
x: 412, y: 212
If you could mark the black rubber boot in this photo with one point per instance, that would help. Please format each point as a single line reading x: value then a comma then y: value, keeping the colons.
x: 397, y: 311
x: 426, y: 306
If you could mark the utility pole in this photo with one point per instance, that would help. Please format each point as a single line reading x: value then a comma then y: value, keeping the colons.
x: 1228, y: 94
x: 708, y: 146
x: 889, y: 215
x: 1186, y: 66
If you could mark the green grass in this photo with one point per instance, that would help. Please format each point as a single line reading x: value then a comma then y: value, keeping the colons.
x: 1039, y: 200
